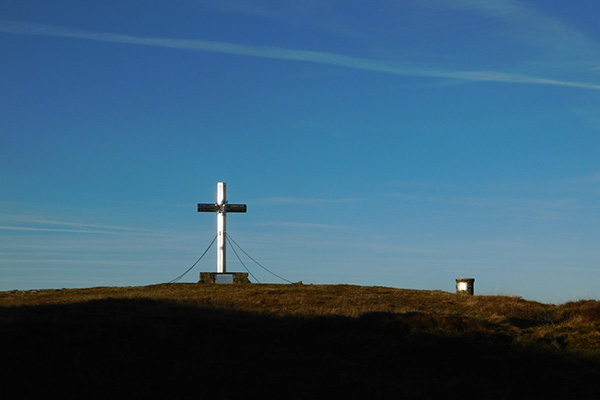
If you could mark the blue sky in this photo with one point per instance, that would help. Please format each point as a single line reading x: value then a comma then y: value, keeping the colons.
x: 392, y: 143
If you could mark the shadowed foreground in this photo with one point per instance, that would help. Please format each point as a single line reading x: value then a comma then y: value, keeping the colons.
x: 168, y: 341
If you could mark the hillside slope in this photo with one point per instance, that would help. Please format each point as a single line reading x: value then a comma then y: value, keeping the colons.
x: 294, y: 341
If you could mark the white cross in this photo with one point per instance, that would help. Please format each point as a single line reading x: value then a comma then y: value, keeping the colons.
x: 222, y: 208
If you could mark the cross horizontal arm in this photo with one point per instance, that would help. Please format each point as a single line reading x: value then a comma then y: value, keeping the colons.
x: 208, y: 207
x: 236, y: 208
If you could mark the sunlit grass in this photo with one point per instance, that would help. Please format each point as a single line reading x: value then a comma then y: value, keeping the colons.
x: 573, y: 326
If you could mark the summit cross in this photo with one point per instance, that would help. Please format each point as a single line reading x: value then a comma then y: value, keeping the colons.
x: 221, y: 207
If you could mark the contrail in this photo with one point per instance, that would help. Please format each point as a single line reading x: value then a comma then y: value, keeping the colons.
x: 276, y: 53
x: 68, y: 230
x: 35, y: 229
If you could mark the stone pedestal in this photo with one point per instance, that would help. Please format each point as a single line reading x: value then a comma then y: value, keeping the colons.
x: 465, y: 286
x: 228, y: 277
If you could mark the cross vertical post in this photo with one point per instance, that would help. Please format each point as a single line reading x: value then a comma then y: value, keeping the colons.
x: 221, y: 207
x: 221, y: 228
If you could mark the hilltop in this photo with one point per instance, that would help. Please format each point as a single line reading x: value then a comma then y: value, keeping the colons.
x: 295, y: 341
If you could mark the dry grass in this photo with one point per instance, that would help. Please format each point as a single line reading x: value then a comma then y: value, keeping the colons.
x: 308, y: 340
x: 571, y: 326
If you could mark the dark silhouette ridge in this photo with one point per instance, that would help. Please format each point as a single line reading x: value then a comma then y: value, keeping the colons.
x: 146, y: 348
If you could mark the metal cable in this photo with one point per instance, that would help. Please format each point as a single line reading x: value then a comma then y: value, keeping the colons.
x: 257, y: 263
x: 238, y: 257
x: 190, y: 268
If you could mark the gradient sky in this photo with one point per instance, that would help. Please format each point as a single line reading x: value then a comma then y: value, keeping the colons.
x: 391, y: 143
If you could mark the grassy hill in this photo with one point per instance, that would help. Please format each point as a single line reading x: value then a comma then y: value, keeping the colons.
x: 294, y: 342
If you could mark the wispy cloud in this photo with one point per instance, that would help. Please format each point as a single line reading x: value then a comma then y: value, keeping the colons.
x: 306, y: 200
x: 590, y: 115
x: 276, y: 53
x: 593, y: 179
x: 302, y: 225
x: 35, y: 224
x: 525, y: 23
x: 39, y: 229
x: 507, y: 207
x: 54, y: 234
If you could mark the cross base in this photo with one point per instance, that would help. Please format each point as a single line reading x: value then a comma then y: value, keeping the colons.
x: 230, y: 277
